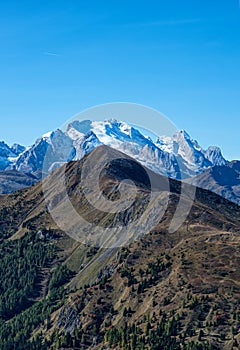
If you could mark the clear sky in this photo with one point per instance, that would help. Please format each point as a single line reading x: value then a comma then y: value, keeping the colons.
x: 58, y: 57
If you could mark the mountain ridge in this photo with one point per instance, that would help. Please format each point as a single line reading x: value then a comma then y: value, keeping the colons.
x: 178, y: 156
x: 223, y: 180
x: 180, y: 290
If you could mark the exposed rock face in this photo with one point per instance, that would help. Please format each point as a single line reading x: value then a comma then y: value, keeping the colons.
x: 68, y: 319
x: 177, y: 157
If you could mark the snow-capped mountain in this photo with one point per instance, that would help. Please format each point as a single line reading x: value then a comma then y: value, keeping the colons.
x: 192, y: 157
x: 58, y: 145
x: 8, y: 155
x: 178, y: 156
x: 123, y: 137
x: 17, y: 149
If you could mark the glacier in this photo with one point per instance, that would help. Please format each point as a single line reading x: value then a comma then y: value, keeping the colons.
x: 178, y: 156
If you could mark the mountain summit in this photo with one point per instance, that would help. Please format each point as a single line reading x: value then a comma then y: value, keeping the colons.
x: 8, y: 155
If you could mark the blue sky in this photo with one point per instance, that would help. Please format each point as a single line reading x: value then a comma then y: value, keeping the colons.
x: 180, y: 57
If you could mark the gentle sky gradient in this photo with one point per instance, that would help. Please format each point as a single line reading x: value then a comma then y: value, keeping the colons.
x: 58, y: 57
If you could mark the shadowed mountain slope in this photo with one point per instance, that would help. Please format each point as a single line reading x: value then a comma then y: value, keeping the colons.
x: 223, y: 180
x: 13, y: 180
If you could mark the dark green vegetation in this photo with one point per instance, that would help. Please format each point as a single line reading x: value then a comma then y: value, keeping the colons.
x: 20, y: 272
x: 24, y: 300
x: 166, y: 291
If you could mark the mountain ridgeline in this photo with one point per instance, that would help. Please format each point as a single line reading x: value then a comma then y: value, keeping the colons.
x: 178, y: 156
x: 223, y: 180
x: 164, y: 290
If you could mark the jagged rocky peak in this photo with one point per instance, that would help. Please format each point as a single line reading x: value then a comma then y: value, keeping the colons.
x: 182, y: 134
x: 7, y: 155
x: 85, y: 144
x: 57, y: 144
x: 5, y: 150
x: 181, y: 143
x: 184, y: 139
x: 214, y: 155
x: 78, y: 128
x: 17, y: 149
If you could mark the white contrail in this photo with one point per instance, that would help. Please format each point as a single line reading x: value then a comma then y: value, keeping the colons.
x: 50, y: 53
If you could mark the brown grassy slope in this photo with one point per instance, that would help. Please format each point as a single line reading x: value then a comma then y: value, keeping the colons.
x: 200, y: 283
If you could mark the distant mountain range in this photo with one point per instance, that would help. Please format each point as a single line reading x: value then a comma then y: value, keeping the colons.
x: 8, y: 155
x: 178, y: 157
